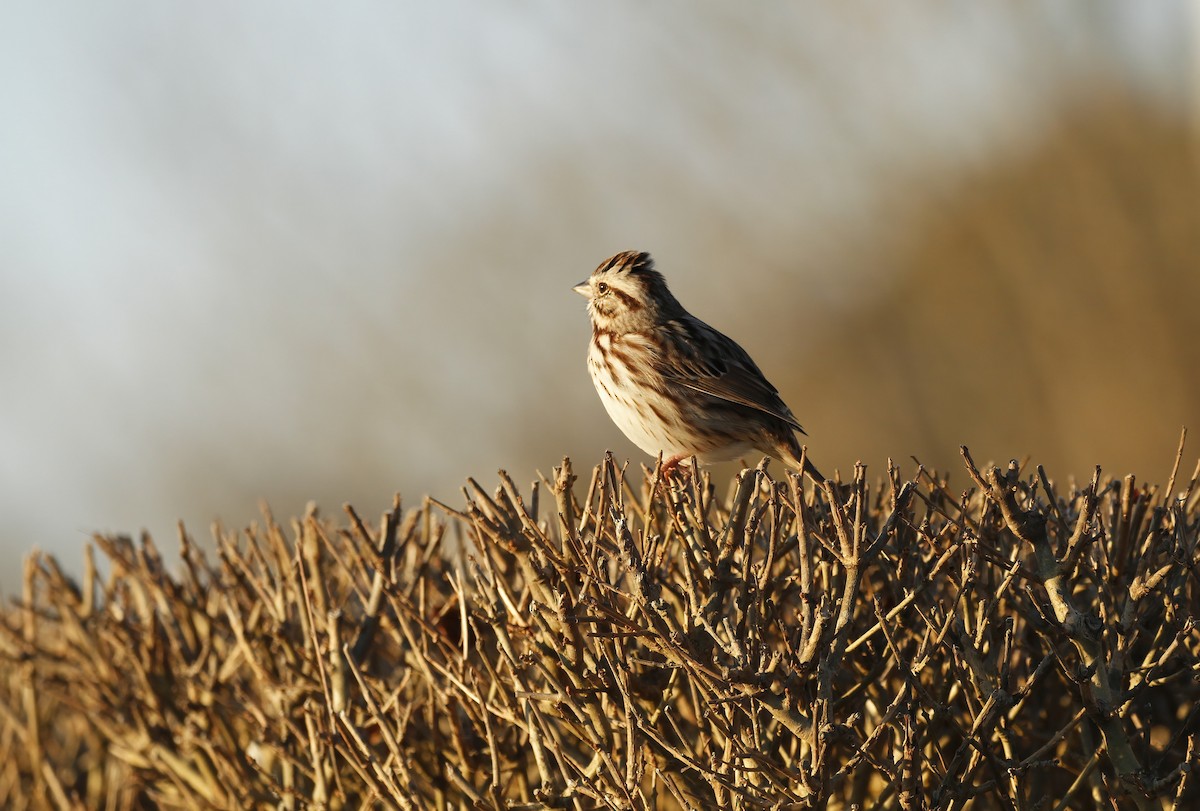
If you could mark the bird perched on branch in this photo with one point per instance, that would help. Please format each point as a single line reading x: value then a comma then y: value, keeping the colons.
x: 673, y: 384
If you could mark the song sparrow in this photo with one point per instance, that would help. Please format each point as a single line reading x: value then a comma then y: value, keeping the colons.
x: 672, y: 383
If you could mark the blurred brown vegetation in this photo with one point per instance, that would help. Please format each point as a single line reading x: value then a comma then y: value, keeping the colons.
x: 1046, y: 303
x: 905, y: 644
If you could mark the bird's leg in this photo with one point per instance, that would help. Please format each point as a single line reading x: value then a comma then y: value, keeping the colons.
x: 669, y: 466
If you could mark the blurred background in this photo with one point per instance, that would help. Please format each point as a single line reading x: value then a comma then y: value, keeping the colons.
x: 297, y: 252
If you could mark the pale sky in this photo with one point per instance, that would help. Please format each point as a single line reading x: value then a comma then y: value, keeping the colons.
x: 292, y: 251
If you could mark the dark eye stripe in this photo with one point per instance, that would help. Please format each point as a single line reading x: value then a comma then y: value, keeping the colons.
x: 627, y: 300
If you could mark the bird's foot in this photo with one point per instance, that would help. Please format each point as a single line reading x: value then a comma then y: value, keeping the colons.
x: 672, y: 469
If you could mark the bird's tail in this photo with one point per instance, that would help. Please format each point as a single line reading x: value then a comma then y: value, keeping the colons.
x: 789, y: 452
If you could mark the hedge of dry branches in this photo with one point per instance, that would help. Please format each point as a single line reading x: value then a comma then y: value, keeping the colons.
x: 902, y: 645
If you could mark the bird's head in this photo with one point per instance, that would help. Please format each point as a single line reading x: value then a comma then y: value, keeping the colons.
x: 626, y: 294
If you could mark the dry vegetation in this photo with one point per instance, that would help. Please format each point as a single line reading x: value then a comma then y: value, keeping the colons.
x: 1083, y: 246
x: 902, y: 644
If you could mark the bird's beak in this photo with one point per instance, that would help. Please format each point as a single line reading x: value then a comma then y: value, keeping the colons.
x: 583, y: 288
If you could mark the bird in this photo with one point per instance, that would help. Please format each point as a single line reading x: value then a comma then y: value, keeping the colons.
x: 674, y: 385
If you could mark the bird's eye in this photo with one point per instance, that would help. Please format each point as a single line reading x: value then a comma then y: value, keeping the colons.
x: 602, y: 288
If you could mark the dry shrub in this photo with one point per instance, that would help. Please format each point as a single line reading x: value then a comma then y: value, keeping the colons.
x: 902, y: 645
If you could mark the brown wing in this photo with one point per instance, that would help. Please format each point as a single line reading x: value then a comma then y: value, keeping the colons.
x: 708, y: 361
